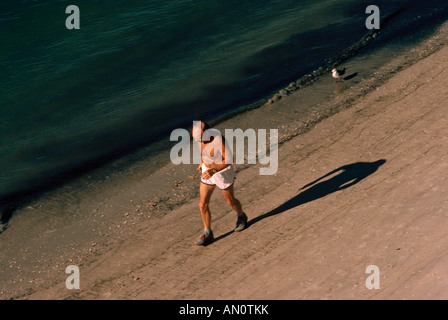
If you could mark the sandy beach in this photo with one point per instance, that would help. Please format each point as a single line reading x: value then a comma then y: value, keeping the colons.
x: 382, y: 154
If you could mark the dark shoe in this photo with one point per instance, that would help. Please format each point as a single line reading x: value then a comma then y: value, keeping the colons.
x: 205, y: 239
x: 241, y: 223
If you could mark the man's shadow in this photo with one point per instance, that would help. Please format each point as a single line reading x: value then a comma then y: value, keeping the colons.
x: 347, y: 176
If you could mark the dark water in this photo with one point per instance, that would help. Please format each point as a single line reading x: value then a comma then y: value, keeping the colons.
x: 137, y: 69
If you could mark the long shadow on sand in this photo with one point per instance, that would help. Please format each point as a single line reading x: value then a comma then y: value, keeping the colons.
x: 347, y: 176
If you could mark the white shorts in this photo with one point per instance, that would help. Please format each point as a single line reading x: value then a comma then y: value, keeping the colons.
x: 222, y: 179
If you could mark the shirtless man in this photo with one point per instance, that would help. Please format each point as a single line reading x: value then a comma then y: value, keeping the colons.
x: 215, y: 172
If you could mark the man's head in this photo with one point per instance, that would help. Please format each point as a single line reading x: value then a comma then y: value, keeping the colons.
x: 198, y: 129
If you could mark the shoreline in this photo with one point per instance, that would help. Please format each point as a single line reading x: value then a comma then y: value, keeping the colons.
x: 396, y: 25
x: 130, y: 206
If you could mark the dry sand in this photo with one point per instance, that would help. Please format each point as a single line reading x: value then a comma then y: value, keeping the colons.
x: 386, y: 206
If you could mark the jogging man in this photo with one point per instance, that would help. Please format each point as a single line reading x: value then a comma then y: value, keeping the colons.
x: 215, y: 172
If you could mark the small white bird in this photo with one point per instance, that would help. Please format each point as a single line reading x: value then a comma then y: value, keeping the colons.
x: 337, y: 74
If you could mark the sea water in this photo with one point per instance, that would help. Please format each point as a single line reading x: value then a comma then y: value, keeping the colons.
x: 71, y: 100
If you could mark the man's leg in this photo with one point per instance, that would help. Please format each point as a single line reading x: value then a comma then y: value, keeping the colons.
x: 229, y: 196
x: 241, y: 222
x: 205, y: 193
